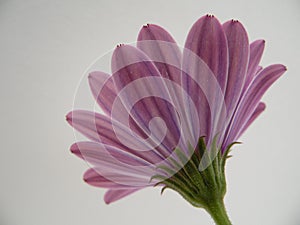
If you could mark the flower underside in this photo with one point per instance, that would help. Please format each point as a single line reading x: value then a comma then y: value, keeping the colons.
x: 198, y: 187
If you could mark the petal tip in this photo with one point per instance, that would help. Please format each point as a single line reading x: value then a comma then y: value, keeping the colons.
x: 69, y: 117
x: 92, y: 75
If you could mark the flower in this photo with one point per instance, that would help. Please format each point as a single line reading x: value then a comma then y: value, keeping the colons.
x: 171, y: 115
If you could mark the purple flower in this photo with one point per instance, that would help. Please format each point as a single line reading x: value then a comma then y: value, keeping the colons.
x: 166, y: 109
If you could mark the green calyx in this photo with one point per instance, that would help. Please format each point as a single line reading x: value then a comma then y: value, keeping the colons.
x: 202, y: 186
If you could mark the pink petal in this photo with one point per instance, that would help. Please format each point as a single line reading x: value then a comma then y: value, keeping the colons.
x: 162, y: 49
x: 251, y: 98
x: 116, y: 165
x: 92, y: 177
x: 116, y: 194
x: 144, y: 94
x: 207, y: 39
x: 205, y: 64
x: 238, y: 51
x: 256, y: 52
x: 95, y: 152
x: 103, y: 90
x: 102, y: 129
x: 259, y: 109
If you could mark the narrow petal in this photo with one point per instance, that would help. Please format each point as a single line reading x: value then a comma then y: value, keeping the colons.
x: 207, y: 39
x: 256, y: 51
x: 145, y: 96
x: 92, y: 177
x: 103, y: 90
x: 162, y: 49
x: 116, y: 165
x: 258, y: 87
x: 259, y: 109
x: 154, y: 32
x: 101, y: 129
x: 238, y: 51
x: 95, y: 152
x: 205, y: 64
x: 250, y: 99
x: 117, y: 194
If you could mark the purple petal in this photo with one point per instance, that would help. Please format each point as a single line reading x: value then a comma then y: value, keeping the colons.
x: 251, y: 98
x: 256, y: 52
x: 207, y: 39
x: 259, y: 109
x: 103, y: 90
x: 116, y: 165
x: 162, y: 49
x: 154, y: 32
x: 144, y: 98
x: 116, y: 194
x: 205, y: 63
x: 95, y: 152
x: 102, y: 129
x: 92, y: 177
x: 238, y: 51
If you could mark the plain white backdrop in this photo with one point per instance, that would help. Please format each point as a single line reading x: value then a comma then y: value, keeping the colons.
x: 45, y: 46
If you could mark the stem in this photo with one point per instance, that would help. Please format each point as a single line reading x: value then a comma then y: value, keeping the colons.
x: 218, y: 212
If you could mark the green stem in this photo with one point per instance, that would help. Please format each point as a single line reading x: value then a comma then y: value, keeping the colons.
x: 218, y: 212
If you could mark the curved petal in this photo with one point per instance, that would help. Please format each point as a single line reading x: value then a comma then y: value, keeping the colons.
x: 162, y: 49
x: 103, y: 90
x: 95, y: 152
x: 101, y: 129
x: 256, y: 51
x: 145, y: 99
x: 115, y: 165
x: 259, y: 109
x: 238, y: 51
x: 251, y: 98
x: 205, y: 64
x: 117, y: 194
x: 92, y: 177
x: 206, y: 38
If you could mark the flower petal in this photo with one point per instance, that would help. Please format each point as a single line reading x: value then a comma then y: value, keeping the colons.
x: 205, y: 64
x: 250, y: 99
x: 259, y: 109
x: 207, y: 39
x: 95, y: 152
x: 102, y: 129
x: 146, y: 100
x: 238, y: 51
x: 116, y: 165
x: 92, y: 177
x: 256, y: 52
x: 162, y: 49
x: 117, y: 194
x: 103, y: 90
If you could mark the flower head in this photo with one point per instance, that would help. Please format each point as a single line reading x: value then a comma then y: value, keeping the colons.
x: 171, y: 114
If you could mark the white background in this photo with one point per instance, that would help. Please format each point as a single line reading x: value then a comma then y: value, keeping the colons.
x: 45, y: 46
